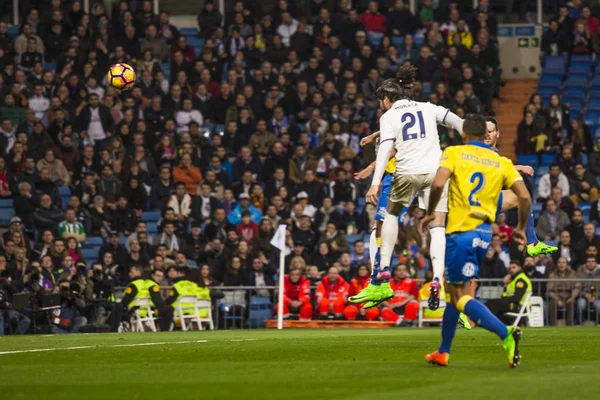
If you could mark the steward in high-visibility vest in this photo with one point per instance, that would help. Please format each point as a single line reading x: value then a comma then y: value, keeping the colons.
x: 185, y: 287
x: 140, y: 288
x: 514, y: 294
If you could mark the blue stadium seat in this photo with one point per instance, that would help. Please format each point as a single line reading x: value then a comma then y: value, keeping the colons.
x: 576, y: 81
x: 151, y: 216
x: 550, y: 81
x: 547, y: 159
x: 224, y: 72
x: 152, y: 228
x: 528, y: 159
x: 572, y: 91
x: 6, y: 203
x: 596, y: 80
x: 426, y: 89
x: 580, y: 69
x: 574, y: 102
x: 419, y: 40
x: 374, y: 41
x: 189, y: 31
x: 353, y: 238
x: 6, y: 215
x: 541, y: 170
x: 398, y: 41
x: 555, y: 64
x: 585, y: 208
x: 93, y: 241
x: 13, y: 30
x: 581, y: 58
x: 552, y: 243
x: 261, y: 309
x: 584, y: 158
x: 219, y: 128
x: 89, y: 253
x: 536, y: 209
x: 50, y: 66
x: 546, y: 92
x: 195, y: 42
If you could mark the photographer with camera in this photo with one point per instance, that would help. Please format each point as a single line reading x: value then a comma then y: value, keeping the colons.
x: 103, y: 298
x: 69, y: 317
x: 15, y: 321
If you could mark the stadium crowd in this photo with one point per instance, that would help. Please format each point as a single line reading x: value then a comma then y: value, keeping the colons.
x: 255, y: 125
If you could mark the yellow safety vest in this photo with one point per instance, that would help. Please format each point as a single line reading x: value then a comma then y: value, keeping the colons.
x: 512, y: 286
x: 143, y: 287
x: 189, y: 288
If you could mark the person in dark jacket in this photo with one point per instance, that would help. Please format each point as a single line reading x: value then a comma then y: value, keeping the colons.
x: 99, y: 134
x: 47, y: 216
x: 583, y: 185
x: 554, y: 41
x: 25, y: 204
x: 162, y: 190
x: 342, y: 190
x: 400, y: 20
x: 113, y: 247
x: 124, y: 219
x: 492, y: 266
x: 209, y: 20
x: 109, y: 186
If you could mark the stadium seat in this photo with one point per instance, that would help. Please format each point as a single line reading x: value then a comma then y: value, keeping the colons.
x: 93, y: 241
x: 528, y: 159
x: 547, y: 92
x: 550, y: 81
x: 219, y: 128
x: 536, y: 209
x: 541, y: 170
x: 580, y: 69
x: 89, y: 253
x: 195, y: 42
x: 6, y: 215
x: 224, y: 72
x: 152, y: 228
x: 6, y: 203
x: 13, y: 30
x: 581, y: 58
x: 574, y: 102
x: 586, y: 209
x: 374, y: 41
x: 189, y: 32
x: 398, y: 41
x: 150, y: 216
x: 353, y: 238
x: 419, y: 40
x: 577, y: 81
x: 426, y: 89
x: 261, y: 309
x: 555, y: 64
x: 547, y: 159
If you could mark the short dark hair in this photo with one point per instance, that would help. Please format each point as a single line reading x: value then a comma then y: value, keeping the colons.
x: 474, y: 126
x: 493, y: 121
x: 391, y: 89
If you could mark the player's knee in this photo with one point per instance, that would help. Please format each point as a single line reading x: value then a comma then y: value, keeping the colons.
x: 324, y: 306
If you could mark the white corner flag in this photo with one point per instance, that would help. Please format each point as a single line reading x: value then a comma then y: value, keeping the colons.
x: 278, y: 242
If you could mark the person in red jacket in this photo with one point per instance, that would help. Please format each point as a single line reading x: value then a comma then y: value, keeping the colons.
x: 354, y: 311
x: 375, y: 23
x: 331, y: 294
x: 404, y: 302
x: 296, y: 296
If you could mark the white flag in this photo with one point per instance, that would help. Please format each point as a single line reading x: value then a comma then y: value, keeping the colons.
x: 279, y: 238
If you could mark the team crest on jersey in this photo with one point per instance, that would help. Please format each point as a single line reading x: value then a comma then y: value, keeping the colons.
x: 468, y: 269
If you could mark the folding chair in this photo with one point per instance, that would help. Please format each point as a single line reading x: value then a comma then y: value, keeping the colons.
x: 422, y: 306
x: 533, y: 310
x: 137, y: 320
x: 205, y: 304
x: 186, y: 304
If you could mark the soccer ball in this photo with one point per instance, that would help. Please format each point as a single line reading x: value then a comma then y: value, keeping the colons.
x: 121, y: 76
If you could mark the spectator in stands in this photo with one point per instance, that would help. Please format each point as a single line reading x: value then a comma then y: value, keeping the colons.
x: 583, y: 186
x: 47, y: 215
x: 342, y: 190
x: 235, y: 217
x: 70, y: 227
x: 58, y: 172
x: 554, y: 178
x: 331, y: 295
x: 561, y: 296
x: 188, y: 174
x: 180, y: 202
x: 356, y: 311
x: 581, y: 43
x: 581, y: 137
x: 588, y: 302
x: 559, y: 111
x: 296, y: 296
x: 551, y: 222
x: 402, y: 310
x: 575, y: 228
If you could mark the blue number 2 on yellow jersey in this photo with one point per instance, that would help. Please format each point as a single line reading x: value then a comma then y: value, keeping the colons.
x: 479, y: 181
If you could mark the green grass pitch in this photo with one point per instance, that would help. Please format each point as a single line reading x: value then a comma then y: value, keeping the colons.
x: 344, y: 364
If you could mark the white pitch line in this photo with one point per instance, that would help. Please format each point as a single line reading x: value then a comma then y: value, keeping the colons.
x: 242, y: 340
x: 94, y: 347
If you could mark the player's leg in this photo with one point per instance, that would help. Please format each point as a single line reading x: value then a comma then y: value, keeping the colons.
x: 437, y: 247
x: 509, y: 200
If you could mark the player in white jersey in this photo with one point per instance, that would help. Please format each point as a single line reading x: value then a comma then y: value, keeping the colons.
x: 411, y: 128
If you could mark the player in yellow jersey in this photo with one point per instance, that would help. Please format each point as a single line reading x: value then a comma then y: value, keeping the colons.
x: 477, y: 175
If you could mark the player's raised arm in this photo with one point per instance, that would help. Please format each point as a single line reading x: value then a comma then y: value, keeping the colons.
x: 368, y: 139
x: 448, y: 119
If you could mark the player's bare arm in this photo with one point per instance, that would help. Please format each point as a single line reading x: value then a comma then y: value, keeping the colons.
x: 522, y: 193
x: 526, y: 169
x: 368, y: 139
x: 437, y: 188
x: 365, y: 173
